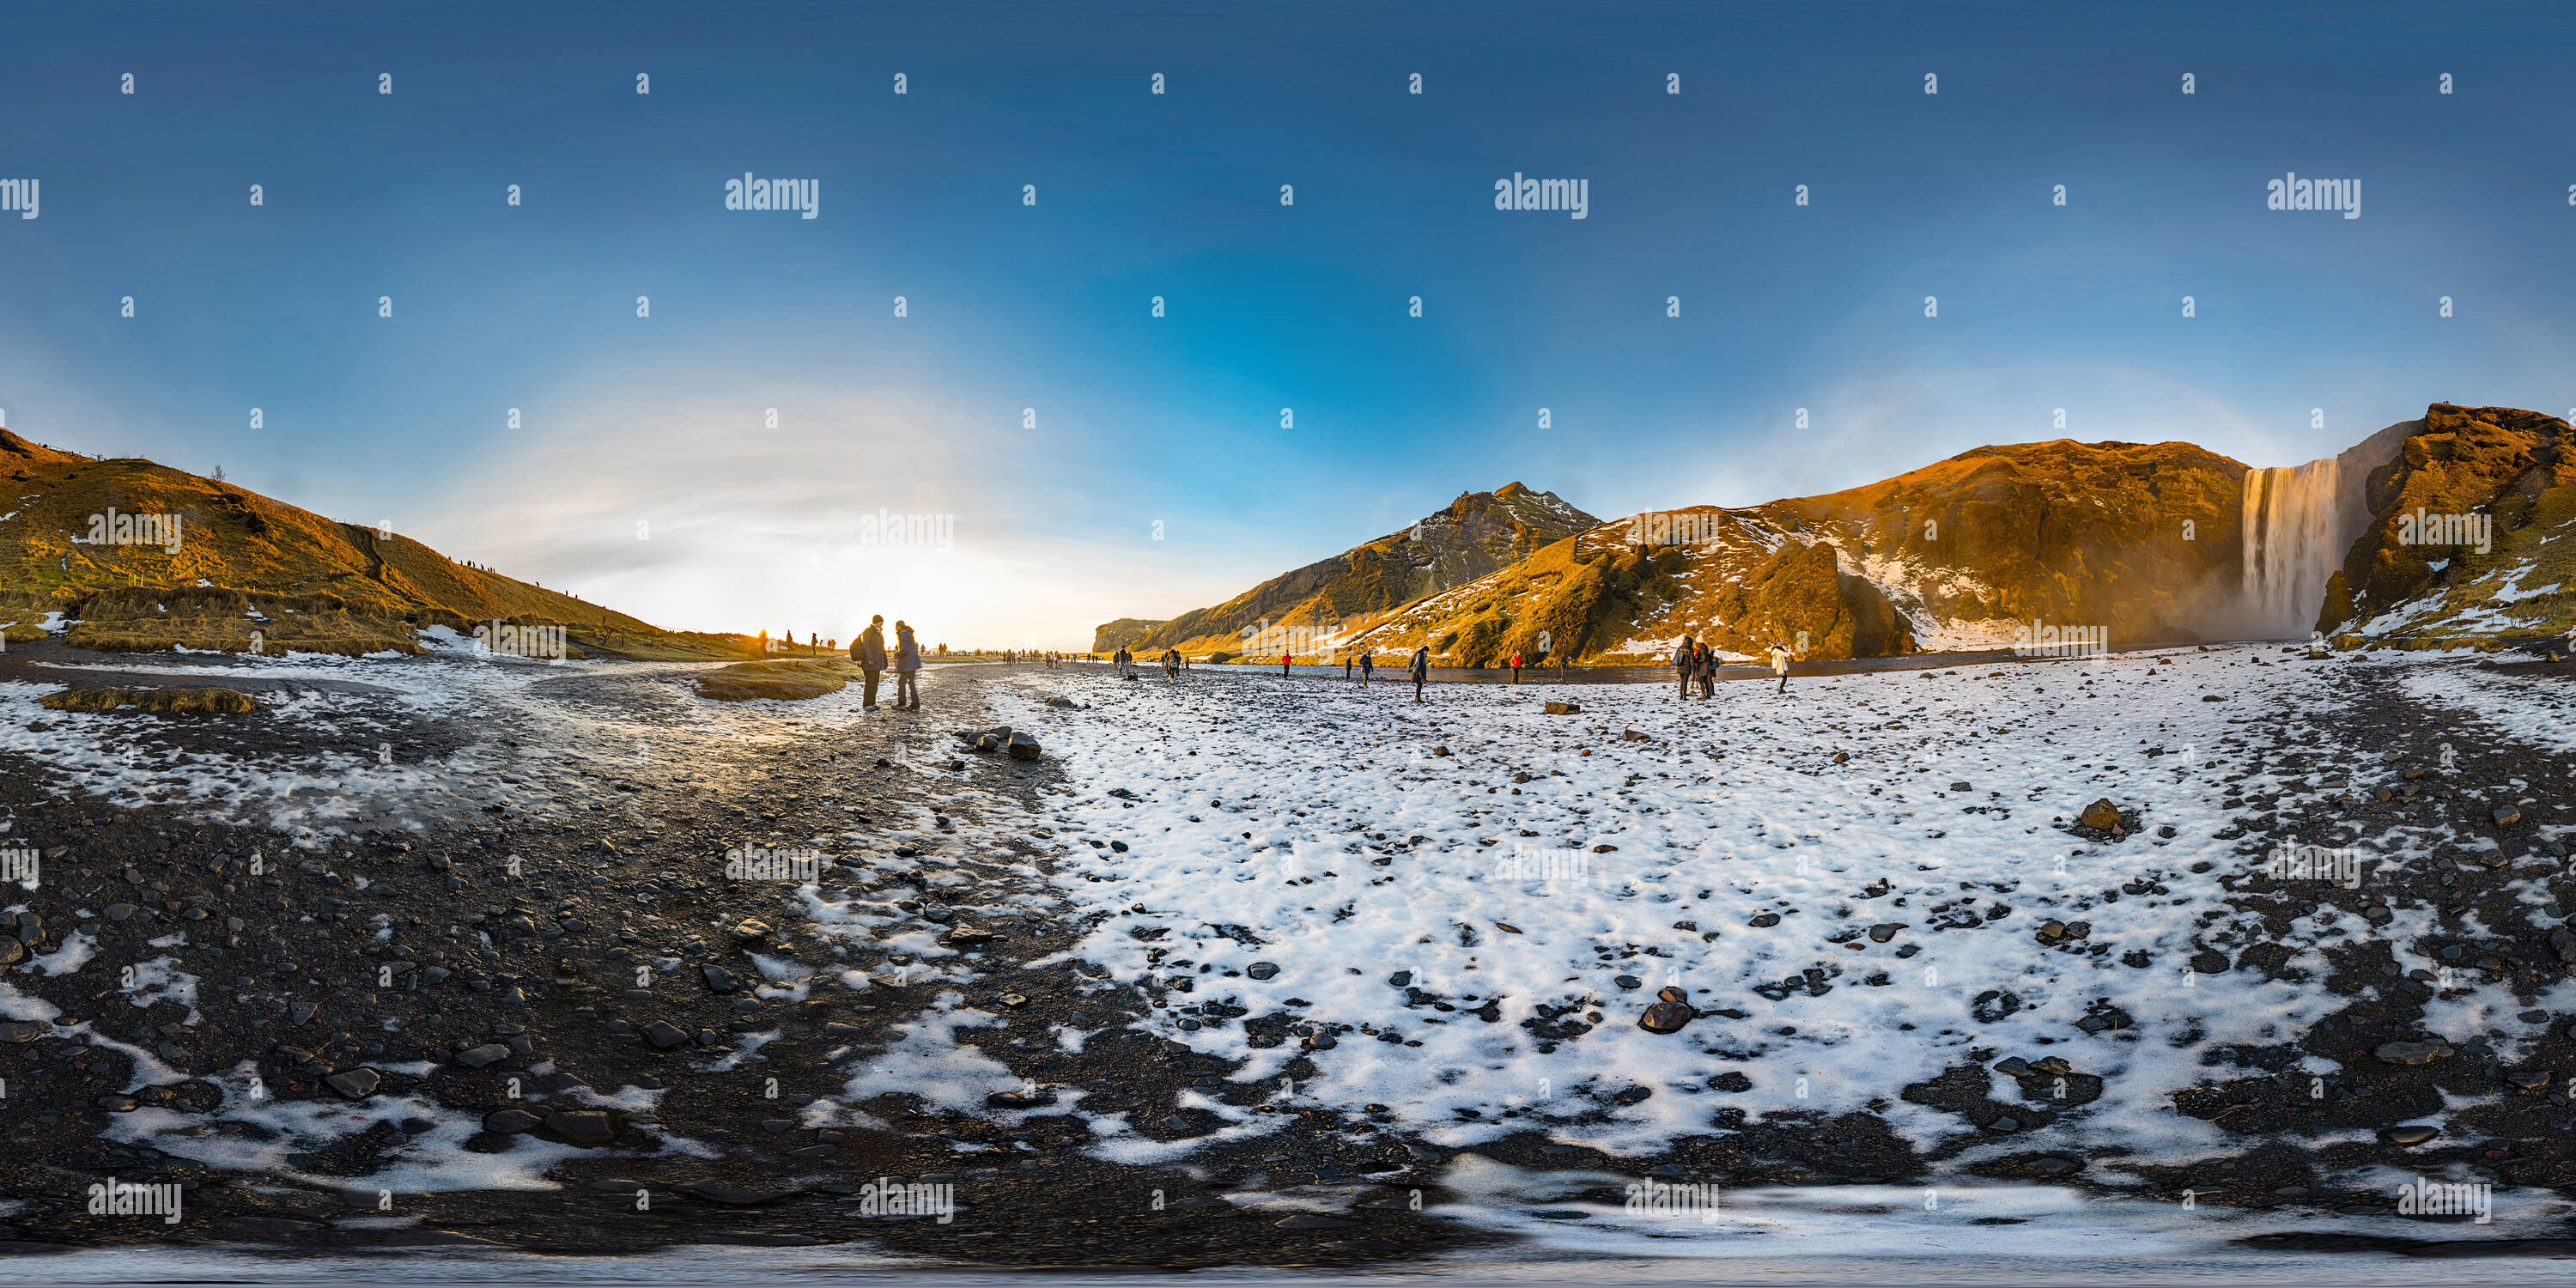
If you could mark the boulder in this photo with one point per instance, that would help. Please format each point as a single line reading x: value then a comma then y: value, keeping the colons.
x: 1022, y: 747
x: 1670, y: 1015
x: 2101, y: 816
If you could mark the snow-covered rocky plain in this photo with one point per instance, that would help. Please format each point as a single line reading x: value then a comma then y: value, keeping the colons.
x: 1849, y: 882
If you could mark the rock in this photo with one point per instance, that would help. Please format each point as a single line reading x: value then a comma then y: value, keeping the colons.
x: 23, y: 1030
x: 718, y: 978
x: 302, y: 1013
x: 1730, y: 1081
x: 2562, y: 941
x: 1025, y: 1098
x: 1262, y: 970
x: 510, y: 1122
x: 1885, y: 931
x: 2507, y: 816
x: 1764, y: 919
x: 1670, y: 1015
x: 664, y: 1035
x: 1993, y: 1005
x: 2412, y: 1135
x: 2015, y: 1067
x: 488, y: 1053
x: 1023, y: 747
x: 118, y: 1104
x: 356, y: 1084
x: 2101, y: 815
x: 1631, y: 735
x: 2414, y: 1052
x: 1310, y: 1221
x: 1564, y: 709
x: 118, y: 911
x: 11, y: 951
x: 1961, y: 787
x: 748, y: 928
x: 1061, y: 701
x: 588, y: 1127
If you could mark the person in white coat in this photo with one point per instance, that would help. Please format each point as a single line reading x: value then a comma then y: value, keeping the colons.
x: 1780, y: 665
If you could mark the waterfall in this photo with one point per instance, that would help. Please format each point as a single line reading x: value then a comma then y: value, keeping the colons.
x: 2294, y: 537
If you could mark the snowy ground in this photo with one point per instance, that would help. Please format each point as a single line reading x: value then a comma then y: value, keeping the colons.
x: 1557, y: 869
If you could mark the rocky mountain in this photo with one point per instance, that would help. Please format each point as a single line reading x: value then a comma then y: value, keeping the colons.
x: 2463, y: 540
x: 1472, y: 537
x: 2138, y: 540
x: 1109, y: 637
x: 129, y: 554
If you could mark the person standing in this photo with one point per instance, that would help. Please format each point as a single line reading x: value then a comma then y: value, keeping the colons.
x: 1283, y: 666
x: 1421, y: 671
x: 1780, y: 665
x: 1172, y: 665
x: 869, y: 652
x: 1346, y: 665
x: 907, y: 666
x: 1516, y: 669
x: 1707, y: 670
x: 1684, y: 658
x: 1368, y: 663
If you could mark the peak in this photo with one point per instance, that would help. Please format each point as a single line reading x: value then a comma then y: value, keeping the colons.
x: 1510, y: 490
x: 11, y: 445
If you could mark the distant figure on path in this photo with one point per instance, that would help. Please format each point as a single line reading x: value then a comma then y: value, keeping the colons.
x: 1516, y: 668
x: 1421, y: 670
x: 1683, y: 660
x: 1346, y: 666
x: 1368, y: 663
x: 1780, y: 664
x: 869, y: 653
x: 1283, y: 665
x: 907, y: 664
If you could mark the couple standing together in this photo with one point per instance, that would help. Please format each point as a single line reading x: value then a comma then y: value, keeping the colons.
x: 870, y: 653
x: 1698, y: 663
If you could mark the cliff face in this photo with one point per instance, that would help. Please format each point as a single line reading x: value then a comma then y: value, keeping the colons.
x: 1471, y: 537
x: 201, y: 562
x: 2463, y: 539
x: 1109, y: 637
x: 2138, y: 539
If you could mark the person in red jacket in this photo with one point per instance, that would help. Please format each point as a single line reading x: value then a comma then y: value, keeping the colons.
x: 1283, y: 664
x: 1516, y: 668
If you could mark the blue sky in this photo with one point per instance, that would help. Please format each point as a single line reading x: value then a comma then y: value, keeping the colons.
x: 643, y: 472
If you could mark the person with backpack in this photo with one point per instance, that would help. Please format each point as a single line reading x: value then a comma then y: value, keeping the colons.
x: 907, y: 665
x: 1172, y: 665
x: 1684, y: 659
x: 1707, y: 670
x: 1368, y: 663
x: 869, y: 651
x: 1421, y: 671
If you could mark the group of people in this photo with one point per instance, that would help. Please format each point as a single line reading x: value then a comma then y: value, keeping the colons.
x: 1173, y: 663
x: 869, y: 651
x: 1696, y: 662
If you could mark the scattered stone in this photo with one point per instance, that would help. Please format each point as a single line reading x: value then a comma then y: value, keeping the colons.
x: 2414, y: 1052
x: 1563, y: 709
x: 488, y: 1053
x: 1262, y: 970
x: 2411, y: 1135
x: 588, y: 1127
x: 1885, y: 931
x: 2507, y: 816
x: 664, y: 1035
x: 1669, y: 1015
x: 718, y: 978
x: 356, y: 1084
x: 511, y: 1122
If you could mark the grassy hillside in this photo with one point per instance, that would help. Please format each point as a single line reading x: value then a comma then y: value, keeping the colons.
x: 242, y: 563
x: 1469, y: 538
